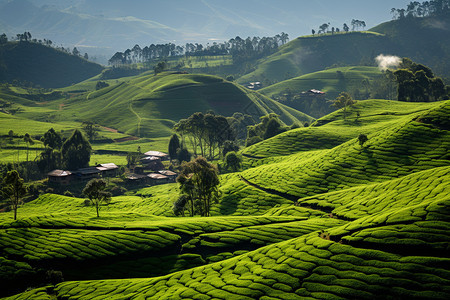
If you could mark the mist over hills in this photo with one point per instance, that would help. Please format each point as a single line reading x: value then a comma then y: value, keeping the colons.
x: 108, y: 26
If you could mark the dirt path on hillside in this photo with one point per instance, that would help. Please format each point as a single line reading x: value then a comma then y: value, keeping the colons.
x: 109, y: 129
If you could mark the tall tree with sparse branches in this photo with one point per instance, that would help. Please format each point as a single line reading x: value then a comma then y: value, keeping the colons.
x: 14, y: 189
x: 95, y: 191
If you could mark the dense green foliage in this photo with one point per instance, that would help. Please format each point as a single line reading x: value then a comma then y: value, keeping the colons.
x: 355, y: 205
x: 76, y: 151
x: 199, y: 183
x: 417, y: 83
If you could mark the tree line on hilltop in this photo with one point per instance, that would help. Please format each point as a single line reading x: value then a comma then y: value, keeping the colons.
x: 27, y: 37
x: 425, y: 9
x: 237, y: 47
x: 325, y: 27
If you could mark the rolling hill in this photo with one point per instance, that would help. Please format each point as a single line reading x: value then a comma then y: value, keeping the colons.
x: 310, y: 54
x: 331, y: 81
x: 150, y: 105
x: 313, y: 215
x: 423, y: 40
x: 42, y: 65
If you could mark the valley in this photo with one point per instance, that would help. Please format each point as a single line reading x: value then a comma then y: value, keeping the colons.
x: 320, y: 178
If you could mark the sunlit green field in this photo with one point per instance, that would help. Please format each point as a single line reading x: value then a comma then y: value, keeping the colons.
x: 313, y: 215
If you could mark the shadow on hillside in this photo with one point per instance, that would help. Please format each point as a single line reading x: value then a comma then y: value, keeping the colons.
x: 228, y: 205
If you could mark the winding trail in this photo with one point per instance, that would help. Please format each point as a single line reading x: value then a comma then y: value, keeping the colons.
x: 130, y: 107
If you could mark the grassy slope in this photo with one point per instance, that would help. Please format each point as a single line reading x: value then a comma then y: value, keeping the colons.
x: 145, y: 105
x: 326, y: 81
x: 390, y: 153
x: 422, y: 39
x: 149, y: 105
x: 314, y: 53
x: 375, y: 220
x: 43, y: 65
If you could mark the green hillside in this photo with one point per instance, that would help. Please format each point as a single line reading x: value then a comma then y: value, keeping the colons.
x: 331, y: 81
x: 150, y: 105
x: 42, y: 65
x: 310, y: 54
x: 423, y: 40
x: 314, y: 215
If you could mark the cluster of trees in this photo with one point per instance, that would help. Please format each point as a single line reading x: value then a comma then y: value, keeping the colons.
x: 417, y: 83
x: 237, y: 47
x: 72, y: 154
x: 325, y: 27
x: 269, y: 126
x: 424, y: 9
x: 199, y: 188
x: 27, y: 37
x: 207, y: 133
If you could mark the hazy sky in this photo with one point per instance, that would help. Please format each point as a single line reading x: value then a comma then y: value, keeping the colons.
x: 102, y: 23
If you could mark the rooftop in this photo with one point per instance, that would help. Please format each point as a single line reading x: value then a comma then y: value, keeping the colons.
x: 156, y: 153
x: 59, y: 173
x: 157, y: 176
x: 167, y: 172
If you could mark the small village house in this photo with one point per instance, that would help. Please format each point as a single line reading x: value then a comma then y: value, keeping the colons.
x: 157, y: 178
x: 170, y: 174
x: 161, y: 155
x: 61, y: 177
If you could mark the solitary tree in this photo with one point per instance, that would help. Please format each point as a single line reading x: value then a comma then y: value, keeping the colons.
x: 52, y: 139
x: 14, y: 189
x: 342, y: 101
x: 161, y: 66
x: 233, y: 161
x: 29, y: 141
x: 132, y: 160
x: 199, y: 181
x: 90, y: 129
x: 345, y: 27
x: 95, y: 191
x: 174, y: 145
x: 362, y: 138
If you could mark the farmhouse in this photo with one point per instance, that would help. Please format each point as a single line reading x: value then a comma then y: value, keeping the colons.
x: 60, y: 177
x: 108, y: 170
x: 161, y: 155
x: 313, y: 93
x: 137, y: 179
x: 172, y: 176
x: 87, y: 173
x: 152, y: 163
x: 157, y: 178
x: 254, y: 85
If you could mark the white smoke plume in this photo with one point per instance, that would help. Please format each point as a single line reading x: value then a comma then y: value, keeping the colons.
x: 387, y: 61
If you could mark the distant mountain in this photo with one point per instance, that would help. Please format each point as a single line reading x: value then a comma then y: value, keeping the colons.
x: 93, y: 34
x: 42, y: 65
x: 107, y: 26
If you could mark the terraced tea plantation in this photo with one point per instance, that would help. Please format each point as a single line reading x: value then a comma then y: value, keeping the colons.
x: 315, y: 214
